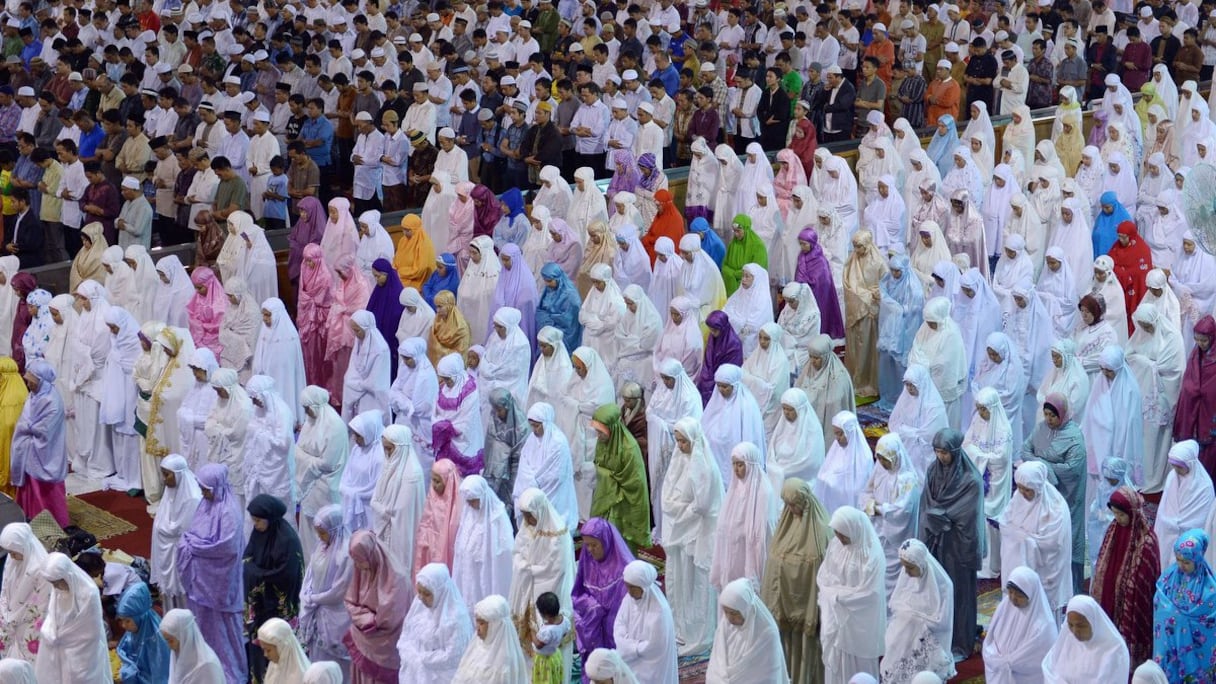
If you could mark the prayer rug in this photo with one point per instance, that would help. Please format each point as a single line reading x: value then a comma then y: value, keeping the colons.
x: 693, y: 668
x: 99, y: 522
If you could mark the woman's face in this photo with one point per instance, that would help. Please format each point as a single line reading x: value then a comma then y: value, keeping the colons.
x: 270, y: 651
x: 631, y: 305
x: 1186, y: 566
x: 739, y: 468
x: 500, y: 330
x: 595, y: 547
x: 482, y: 627
x: 976, y: 145
x: 442, y: 309
x: 733, y: 616
x: 942, y: 129
x: 333, y: 214
x: 668, y: 381
x: 1109, y: 374
x: 676, y: 317
x: 1051, y: 418
x: 504, y: 208
x: 804, y: 246
x: 1079, y: 626
x: 1204, y: 342
x: 737, y: 232
x: 725, y: 389
x: 425, y: 595
x: 911, y: 389
x: 959, y: 163
x: 387, y: 445
x: 437, y: 483
x: 354, y: 327
x: 764, y: 340
x: 1057, y: 359
x: 747, y: 279
x: 1123, y: 239
x: 842, y: 437
x: 1066, y: 214
x: 381, y: 278
x: 475, y: 255
x: 817, y: 362
x: 683, y: 443
x: 547, y: 350
x: 1026, y: 492
x: 579, y: 367
x: 943, y: 457
x: 1016, y: 597
x: 471, y: 361
x: 1121, y: 518
x: 599, y: 285
x: 506, y: 261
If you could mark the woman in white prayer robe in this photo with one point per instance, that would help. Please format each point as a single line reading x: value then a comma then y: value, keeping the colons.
x: 240, y: 328
x: 1113, y: 397
x: 1024, y: 220
x: 551, y: 374
x: 477, y: 285
x: 270, y: 463
x: 886, y: 215
x: 481, y: 565
x: 631, y: 265
x: 700, y: 279
x: 725, y: 206
x: 929, y: 250
x: 674, y: 397
x: 702, y: 179
x: 1066, y: 377
x: 665, y: 281
x: 543, y: 561
x: 226, y: 428
x: 247, y: 255
x: 321, y: 450
x: 636, y: 335
x: 86, y: 385
x: 173, y: 292
x: 1194, y: 281
x: 796, y: 445
x: 64, y: 351
x: 417, y: 316
x: 459, y: 402
x: 1158, y: 292
x: 362, y: 473
x: 1013, y: 266
x: 918, y: 415
x: 504, y: 365
x: 852, y: 598
x: 545, y: 464
x: 938, y: 346
x: 9, y: 266
x: 1091, y: 177
x: 1088, y: 649
x: 964, y: 175
x: 989, y: 444
x: 644, y: 630
x: 1071, y: 235
x: 538, y: 240
x: 374, y: 242
x: 1106, y: 284
x: 1058, y: 290
x: 747, y: 520
x: 682, y: 339
x: 173, y: 517
x: 1028, y: 323
x: 72, y: 643
x: 412, y: 395
x: 400, y: 491
x: 1186, y: 499
x: 437, y: 628
x: 892, y: 500
x: 121, y: 287
x: 799, y: 318
x: 1036, y: 531
x: 1156, y: 360
x: 732, y: 416
x: 590, y: 388
x: 24, y: 594
x: 494, y: 654
x: 691, y: 503
x: 607, y: 666
x: 839, y: 194
x: 827, y: 382
x: 1001, y: 369
x: 191, y: 660
x: 922, y: 618
x: 587, y: 205
x: 847, y: 465
x: 279, y: 355
x: 1164, y: 234
x: 626, y: 213
x: 117, y: 441
x: 1022, y: 631
x: 365, y: 386
x: 747, y: 643
x: 751, y: 306
x: 601, y: 313
x: 766, y: 372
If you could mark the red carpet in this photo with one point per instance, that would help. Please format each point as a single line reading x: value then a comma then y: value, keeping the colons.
x: 133, y: 510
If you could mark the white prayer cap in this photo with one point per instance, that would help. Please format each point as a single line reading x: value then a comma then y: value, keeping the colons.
x: 415, y: 38
x: 1146, y: 12
x: 26, y: 91
x: 708, y: 66
x: 507, y: 80
x: 261, y: 56
x: 246, y: 98
x: 944, y: 64
x: 363, y: 116
x: 646, y: 107
x: 263, y: 115
x: 378, y: 52
x: 620, y: 103
x: 147, y: 37
x: 906, y: 24
x: 234, y: 50
x: 432, y: 17
x: 834, y: 69
x: 629, y: 75
x: 130, y: 183
x: 880, y: 27
x: 75, y: 77
x: 447, y: 132
x: 357, y: 53
x: 232, y: 80
x: 952, y: 47
x: 525, y: 24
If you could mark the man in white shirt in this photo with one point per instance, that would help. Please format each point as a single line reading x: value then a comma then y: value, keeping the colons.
x: 421, y: 115
x: 912, y: 45
x: 731, y: 36
x: 589, y: 125
x: 439, y: 91
x: 622, y: 130
x: 263, y: 147
x: 822, y: 48
x: 957, y: 28
x: 1012, y: 82
x: 72, y: 185
x: 369, y: 148
x: 1102, y: 15
x: 649, y: 137
x: 743, y: 101
x: 663, y: 115
x: 1208, y: 43
x: 524, y: 44
x: 1148, y: 25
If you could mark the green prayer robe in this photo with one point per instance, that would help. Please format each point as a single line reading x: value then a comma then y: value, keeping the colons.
x: 622, y: 496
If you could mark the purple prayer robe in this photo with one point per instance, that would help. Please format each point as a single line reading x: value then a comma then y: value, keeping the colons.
x: 599, y: 587
x: 814, y: 270
x: 516, y: 288
x: 209, y: 560
x: 305, y: 233
x: 725, y: 347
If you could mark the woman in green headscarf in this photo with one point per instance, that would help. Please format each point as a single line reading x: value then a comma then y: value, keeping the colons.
x: 745, y: 248
x: 1149, y: 97
x: 622, y: 496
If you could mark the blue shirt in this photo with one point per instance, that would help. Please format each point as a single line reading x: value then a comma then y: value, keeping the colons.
x: 276, y: 208
x: 318, y: 129
x: 89, y: 141
x: 670, y: 78
x: 30, y: 51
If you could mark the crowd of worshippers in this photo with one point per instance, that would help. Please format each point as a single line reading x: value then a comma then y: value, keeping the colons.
x: 385, y: 469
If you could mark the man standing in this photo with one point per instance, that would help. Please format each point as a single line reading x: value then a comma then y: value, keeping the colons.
x: 263, y: 147
x: 980, y: 74
x: 369, y: 148
x: 838, y: 107
x: 317, y: 136
x: 134, y: 222
x: 871, y: 93
x: 1013, y: 82
x: 943, y: 94
x: 1039, y: 71
x: 743, y: 103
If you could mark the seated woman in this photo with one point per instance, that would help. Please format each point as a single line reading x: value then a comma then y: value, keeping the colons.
x: 1089, y: 648
x: 922, y: 618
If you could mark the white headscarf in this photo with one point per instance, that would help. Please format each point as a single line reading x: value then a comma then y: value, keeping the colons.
x: 747, y: 521
x: 729, y: 421
x: 796, y: 446
x: 543, y: 465
x: 682, y: 341
x: 432, y: 636
x: 72, y: 646
x: 551, y: 374
x: 644, y: 630
x: 587, y: 203
x: 173, y: 517
x: 279, y: 355
x: 839, y: 193
x: 922, y: 615
x: 749, y: 308
x: 554, y: 193
x: 481, y: 565
x: 916, y: 419
x: 1103, y: 658
x: 751, y: 651
x: 416, y: 323
x: 292, y: 662
x: 800, y: 320
x: 1069, y: 379
x: 120, y: 284
x: 543, y: 560
x: 360, y: 483
x: 497, y: 658
x: 1059, y: 292
x: 702, y: 176
x: 606, y: 664
x: 636, y: 337
x: 1038, y: 533
x: 941, y: 350
x: 692, y: 496
x: 1011, y: 270
x: 852, y: 593
x: 1019, y: 637
x: 700, y: 280
x: 665, y: 280
x: 466, y: 416
x: 504, y: 365
x: 601, y: 312
x: 757, y: 172
x: 24, y: 593
x: 981, y: 125
x: 477, y: 284
x: 730, y: 170
x: 846, y: 467
x: 887, y: 216
x: 193, y: 661
x: 893, y: 499
x: 1185, y: 501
